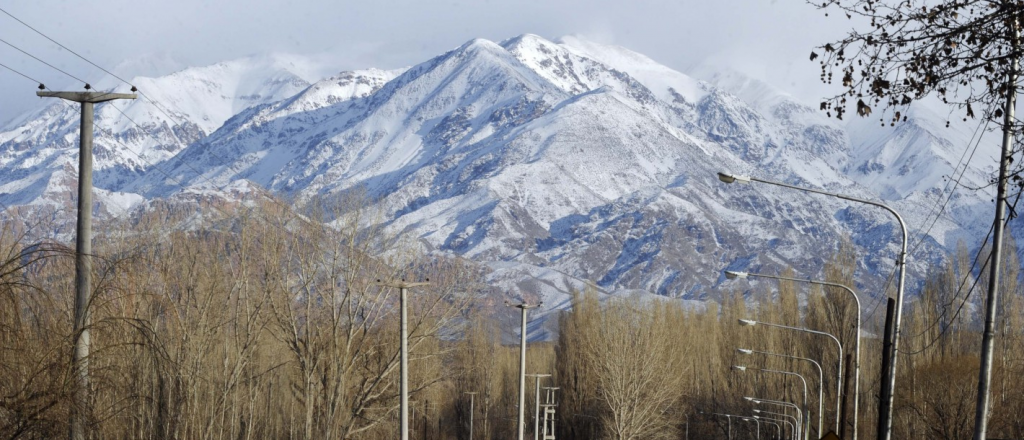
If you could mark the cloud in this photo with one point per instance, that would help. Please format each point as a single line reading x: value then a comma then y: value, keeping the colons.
x: 764, y: 38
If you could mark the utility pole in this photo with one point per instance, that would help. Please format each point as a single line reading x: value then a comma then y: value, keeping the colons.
x: 471, y: 395
x: 83, y: 252
x: 522, y: 363
x: 536, y: 404
x: 403, y: 289
x: 885, y: 398
x: 549, y: 414
x: 1005, y: 159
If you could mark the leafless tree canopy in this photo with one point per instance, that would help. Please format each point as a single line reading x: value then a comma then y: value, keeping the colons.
x: 263, y: 324
x: 961, y: 50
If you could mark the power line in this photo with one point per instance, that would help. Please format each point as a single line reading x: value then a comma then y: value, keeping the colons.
x: 982, y: 127
x: 941, y: 209
x: 151, y: 101
x: 134, y: 89
x: 48, y: 64
x: 179, y: 182
x: 62, y: 46
x: 23, y: 75
x: 960, y: 288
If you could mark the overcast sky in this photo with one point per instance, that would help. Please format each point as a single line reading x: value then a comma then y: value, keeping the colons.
x: 768, y: 39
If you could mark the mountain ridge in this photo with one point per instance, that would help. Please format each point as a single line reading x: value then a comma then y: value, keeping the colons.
x: 539, y: 157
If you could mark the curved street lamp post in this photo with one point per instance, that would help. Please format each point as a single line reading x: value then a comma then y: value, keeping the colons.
x: 799, y: 416
x: 807, y: 412
x: 889, y: 380
x: 839, y: 369
x: 821, y: 383
x: 778, y: 428
x: 856, y: 356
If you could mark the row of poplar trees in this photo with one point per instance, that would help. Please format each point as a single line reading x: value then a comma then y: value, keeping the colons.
x: 266, y: 324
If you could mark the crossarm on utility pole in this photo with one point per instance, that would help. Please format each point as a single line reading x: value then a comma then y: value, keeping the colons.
x: 83, y: 253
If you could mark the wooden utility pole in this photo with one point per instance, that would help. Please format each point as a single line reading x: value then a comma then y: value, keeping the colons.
x: 83, y: 253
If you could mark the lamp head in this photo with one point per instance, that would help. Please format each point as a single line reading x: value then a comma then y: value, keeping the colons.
x: 739, y: 368
x: 732, y: 275
x: 749, y: 322
x: 730, y: 178
x: 745, y: 351
x: 757, y: 411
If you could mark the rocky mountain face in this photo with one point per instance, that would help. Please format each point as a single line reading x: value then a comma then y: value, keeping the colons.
x: 555, y: 164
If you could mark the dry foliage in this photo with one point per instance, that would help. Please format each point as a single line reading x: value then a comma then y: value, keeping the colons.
x: 268, y: 325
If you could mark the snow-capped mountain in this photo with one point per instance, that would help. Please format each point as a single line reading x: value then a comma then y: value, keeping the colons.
x: 554, y: 163
x: 39, y: 152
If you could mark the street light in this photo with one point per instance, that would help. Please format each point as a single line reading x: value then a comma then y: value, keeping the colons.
x: 784, y: 404
x: 856, y: 357
x: 889, y: 380
x: 821, y: 382
x: 807, y: 413
x: 785, y: 417
x: 728, y: 422
x: 730, y: 416
x: 839, y: 370
x: 758, y: 423
x: 522, y: 363
x: 778, y: 429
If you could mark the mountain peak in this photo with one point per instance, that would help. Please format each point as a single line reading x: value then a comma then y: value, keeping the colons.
x: 573, y: 157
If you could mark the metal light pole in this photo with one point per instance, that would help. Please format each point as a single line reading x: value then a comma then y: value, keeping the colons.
x: 778, y: 429
x: 522, y: 363
x: 471, y: 396
x: 403, y: 289
x: 807, y: 412
x: 744, y: 418
x: 856, y: 356
x: 787, y: 405
x: 536, y: 405
x: 83, y: 252
x: 758, y: 422
x: 839, y: 370
x: 889, y: 385
x: 821, y: 382
x: 773, y: 421
x: 728, y: 421
x: 796, y: 432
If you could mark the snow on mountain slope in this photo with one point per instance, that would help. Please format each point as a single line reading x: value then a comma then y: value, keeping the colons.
x: 554, y: 164
x: 40, y: 153
x: 541, y: 155
x: 669, y: 85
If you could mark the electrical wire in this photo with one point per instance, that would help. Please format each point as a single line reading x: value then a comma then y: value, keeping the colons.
x: 22, y: 74
x: 61, y: 45
x: 982, y: 127
x: 44, y: 62
x: 178, y: 182
x: 988, y: 259
x: 135, y: 89
x: 2, y: 204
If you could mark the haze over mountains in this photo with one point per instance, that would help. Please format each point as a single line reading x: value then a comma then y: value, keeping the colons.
x: 552, y: 163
